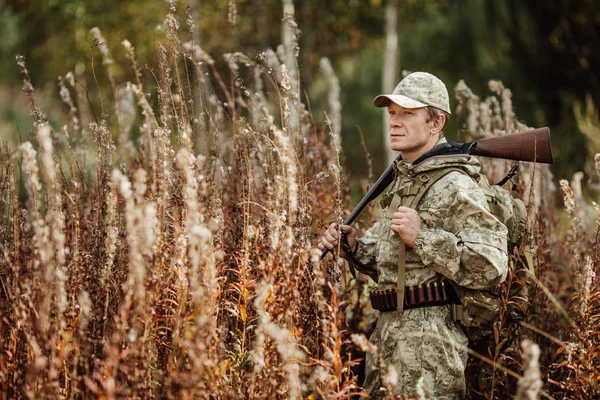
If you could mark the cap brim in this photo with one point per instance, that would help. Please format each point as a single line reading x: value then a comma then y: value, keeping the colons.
x: 384, y: 100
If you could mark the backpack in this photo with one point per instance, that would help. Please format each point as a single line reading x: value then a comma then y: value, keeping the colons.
x: 478, y: 310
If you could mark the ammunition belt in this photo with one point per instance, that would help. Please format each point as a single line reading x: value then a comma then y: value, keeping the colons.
x: 424, y: 295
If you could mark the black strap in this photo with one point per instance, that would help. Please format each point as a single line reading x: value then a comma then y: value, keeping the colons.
x: 510, y: 175
x: 349, y: 255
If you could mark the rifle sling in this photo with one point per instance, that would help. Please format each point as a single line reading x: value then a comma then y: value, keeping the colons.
x: 394, y: 204
x: 424, y: 182
x: 401, y: 277
x: 350, y: 255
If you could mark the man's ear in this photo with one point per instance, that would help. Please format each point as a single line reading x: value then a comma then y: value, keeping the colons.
x: 437, y: 125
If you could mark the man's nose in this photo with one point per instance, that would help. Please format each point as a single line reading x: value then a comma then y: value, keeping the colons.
x: 395, y: 121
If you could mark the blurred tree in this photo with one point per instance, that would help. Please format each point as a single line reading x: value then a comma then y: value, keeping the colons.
x: 557, y: 45
x: 548, y: 53
x: 10, y: 42
x: 389, y: 66
x: 55, y: 33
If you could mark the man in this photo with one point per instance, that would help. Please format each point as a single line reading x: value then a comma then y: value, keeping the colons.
x: 451, y: 238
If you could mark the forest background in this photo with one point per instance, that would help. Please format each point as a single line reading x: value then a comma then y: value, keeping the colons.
x: 166, y: 246
x: 547, y: 53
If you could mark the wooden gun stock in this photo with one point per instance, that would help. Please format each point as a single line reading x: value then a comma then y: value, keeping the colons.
x: 531, y: 145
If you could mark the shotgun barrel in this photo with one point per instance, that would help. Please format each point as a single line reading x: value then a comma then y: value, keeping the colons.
x: 384, y: 181
x: 532, y: 146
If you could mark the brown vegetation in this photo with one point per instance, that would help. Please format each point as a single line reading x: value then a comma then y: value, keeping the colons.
x: 180, y: 262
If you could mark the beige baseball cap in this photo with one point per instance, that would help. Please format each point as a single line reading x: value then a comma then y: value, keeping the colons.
x: 416, y: 90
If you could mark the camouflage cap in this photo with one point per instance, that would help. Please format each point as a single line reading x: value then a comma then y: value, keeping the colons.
x: 417, y: 90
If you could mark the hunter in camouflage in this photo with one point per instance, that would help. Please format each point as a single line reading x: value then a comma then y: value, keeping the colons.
x: 451, y: 235
x: 459, y: 240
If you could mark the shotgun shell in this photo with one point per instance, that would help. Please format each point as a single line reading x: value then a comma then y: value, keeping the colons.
x: 420, y: 294
x: 429, y: 293
x: 411, y: 296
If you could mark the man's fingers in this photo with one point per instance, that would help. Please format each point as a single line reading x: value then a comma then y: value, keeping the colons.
x: 327, y: 243
x: 398, y: 227
x: 402, y: 214
x: 333, y: 231
x: 349, y: 231
x: 330, y: 238
x: 405, y: 211
x: 332, y: 234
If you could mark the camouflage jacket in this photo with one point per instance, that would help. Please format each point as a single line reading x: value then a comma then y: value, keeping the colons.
x: 460, y: 239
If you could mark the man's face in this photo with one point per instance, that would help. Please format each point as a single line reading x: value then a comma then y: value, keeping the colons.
x: 410, y: 133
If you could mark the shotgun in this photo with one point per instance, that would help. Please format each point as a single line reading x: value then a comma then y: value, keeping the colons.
x: 532, y: 146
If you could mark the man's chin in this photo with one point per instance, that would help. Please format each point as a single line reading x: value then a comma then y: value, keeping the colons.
x: 397, y: 147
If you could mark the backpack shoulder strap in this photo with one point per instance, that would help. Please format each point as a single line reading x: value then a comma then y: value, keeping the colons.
x: 411, y: 199
x: 428, y: 179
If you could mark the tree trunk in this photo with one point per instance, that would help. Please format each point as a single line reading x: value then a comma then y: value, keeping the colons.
x: 305, y: 9
x: 290, y: 42
x: 389, y: 66
x: 288, y: 39
x: 195, y: 13
x: 259, y: 21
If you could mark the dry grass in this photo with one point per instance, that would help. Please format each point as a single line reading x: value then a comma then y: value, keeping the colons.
x: 563, y: 316
x: 180, y: 261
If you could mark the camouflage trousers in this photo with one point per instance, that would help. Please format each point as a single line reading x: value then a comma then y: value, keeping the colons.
x: 419, y: 343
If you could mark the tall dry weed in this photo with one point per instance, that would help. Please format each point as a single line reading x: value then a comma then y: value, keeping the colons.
x: 561, y: 316
x: 181, y: 262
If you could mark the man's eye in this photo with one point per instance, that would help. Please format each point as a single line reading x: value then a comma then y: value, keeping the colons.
x: 407, y: 113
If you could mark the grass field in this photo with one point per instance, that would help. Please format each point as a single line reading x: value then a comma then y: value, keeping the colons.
x: 162, y: 244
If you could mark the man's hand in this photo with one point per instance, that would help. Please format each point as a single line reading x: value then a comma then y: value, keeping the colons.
x: 331, y: 238
x: 407, y: 224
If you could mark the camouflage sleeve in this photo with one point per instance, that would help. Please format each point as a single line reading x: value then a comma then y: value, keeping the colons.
x: 365, y: 255
x: 460, y: 238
